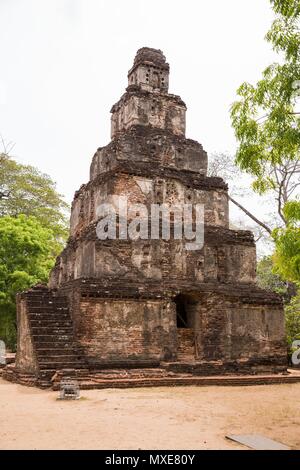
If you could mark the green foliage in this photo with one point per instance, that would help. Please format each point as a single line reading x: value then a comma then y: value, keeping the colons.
x: 287, y: 254
x: 284, y: 34
x: 267, y: 279
x: 286, y: 7
x: 265, y: 118
x: 287, y: 244
x: 33, y: 228
x: 291, y: 212
x: 25, y: 190
x: 266, y: 121
x: 27, y: 253
x: 292, y: 320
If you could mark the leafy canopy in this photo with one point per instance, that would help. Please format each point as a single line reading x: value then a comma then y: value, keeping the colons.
x: 25, y: 190
x: 287, y: 244
x: 267, y: 279
x: 270, y: 280
x: 27, y: 253
x: 266, y: 118
x: 292, y: 320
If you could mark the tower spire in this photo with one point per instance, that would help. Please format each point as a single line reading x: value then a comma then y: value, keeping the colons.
x: 147, y: 101
x: 150, y: 71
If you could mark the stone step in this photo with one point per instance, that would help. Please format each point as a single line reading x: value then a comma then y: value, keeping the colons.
x: 186, y: 342
x: 128, y: 378
x: 47, y: 302
x: 59, y: 358
x: 51, y: 323
x: 60, y: 338
x: 50, y: 312
x: 50, y: 317
x: 186, y: 349
x: 51, y: 338
x: 183, y: 344
x: 42, y: 330
x: 62, y: 365
x: 63, y: 344
x: 182, y: 348
x: 82, y: 372
x: 54, y: 317
x: 186, y: 332
x: 70, y: 348
x: 126, y: 374
x: 46, y: 295
x: 59, y: 365
x: 186, y: 358
x: 86, y: 383
x: 67, y: 347
x: 47, y: 307
x: 47, y: 312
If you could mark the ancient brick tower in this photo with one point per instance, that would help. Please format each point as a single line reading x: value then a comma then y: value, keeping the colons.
x: 151, y: 303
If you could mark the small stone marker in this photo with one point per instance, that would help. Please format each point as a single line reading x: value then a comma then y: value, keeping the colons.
x: 257, y: 442
x: 69, y: 389
x: 2, y: 353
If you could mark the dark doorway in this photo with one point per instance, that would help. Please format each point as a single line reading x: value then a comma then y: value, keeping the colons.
x: 185, y: 319
x: 181, y: 313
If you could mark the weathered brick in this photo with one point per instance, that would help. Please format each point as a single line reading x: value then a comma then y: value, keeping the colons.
x: 135, y: 304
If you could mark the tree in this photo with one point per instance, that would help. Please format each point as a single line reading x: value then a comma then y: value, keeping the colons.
x: 292, y: 320
x: 27, y: 253
x: 267, y: 126
x: 287, y: 244
x: 266, y: 120
x: 266, y: 116
x: 223, y: 165
x: 33, y: 229
x: 25, y: 190
x: 267, y: 279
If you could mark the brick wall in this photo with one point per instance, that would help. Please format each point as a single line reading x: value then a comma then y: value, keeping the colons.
x: 126, y: 330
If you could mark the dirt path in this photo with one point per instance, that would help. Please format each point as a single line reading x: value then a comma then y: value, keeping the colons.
x: 149, y: 418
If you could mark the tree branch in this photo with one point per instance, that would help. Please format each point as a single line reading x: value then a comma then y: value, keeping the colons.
x: 265, y: 116
x: 264, y: 226
x: 280, y: 201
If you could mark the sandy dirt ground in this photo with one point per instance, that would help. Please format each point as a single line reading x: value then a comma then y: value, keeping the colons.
x: 148, y: 418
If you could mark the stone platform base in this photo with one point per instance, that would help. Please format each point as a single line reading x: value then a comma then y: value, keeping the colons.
x: 219, y: 368
x: 11, y: 374
x: 156, y: 377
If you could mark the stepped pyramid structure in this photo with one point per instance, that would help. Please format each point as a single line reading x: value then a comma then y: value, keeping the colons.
x: 150, y: 307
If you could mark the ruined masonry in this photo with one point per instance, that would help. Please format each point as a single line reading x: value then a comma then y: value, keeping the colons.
x: 117, y: 311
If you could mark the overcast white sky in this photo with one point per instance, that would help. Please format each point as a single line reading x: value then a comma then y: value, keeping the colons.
x: 65, y: 62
